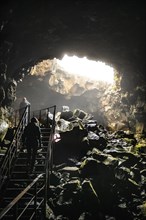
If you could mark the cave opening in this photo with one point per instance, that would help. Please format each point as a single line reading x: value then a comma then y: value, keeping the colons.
x: 89, y: 69
x: 78, y: 82
x: 110, y: 174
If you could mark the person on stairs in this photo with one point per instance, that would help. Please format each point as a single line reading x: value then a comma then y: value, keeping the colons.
x: 31, y: 138
x: 23, y: 104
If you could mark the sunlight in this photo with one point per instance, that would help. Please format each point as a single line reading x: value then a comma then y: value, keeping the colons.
x: 93, y: 70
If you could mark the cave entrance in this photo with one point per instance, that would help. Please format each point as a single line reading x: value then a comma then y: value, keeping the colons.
x: 69, y: 77
x: 76, y: 82
x: 89, y: 69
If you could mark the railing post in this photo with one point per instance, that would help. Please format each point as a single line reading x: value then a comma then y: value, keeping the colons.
x: 40, y: 115
x: 16, y: 142
x: 52, y: 137
x: 9, y: 164
x: 54, y: 118
x: 35, y: 200
x: 45, y: 195
x: 47, y: 112
x: 29, y: 113
x: 15, y: 123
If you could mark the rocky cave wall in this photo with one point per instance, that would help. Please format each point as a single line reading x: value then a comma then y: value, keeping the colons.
x: 110, y: 31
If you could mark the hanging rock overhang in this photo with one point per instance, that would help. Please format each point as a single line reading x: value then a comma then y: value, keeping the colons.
x: 109, y: 31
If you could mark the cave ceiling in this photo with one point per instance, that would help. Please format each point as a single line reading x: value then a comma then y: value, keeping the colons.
x: 109, y: 31
x: 112, y: 31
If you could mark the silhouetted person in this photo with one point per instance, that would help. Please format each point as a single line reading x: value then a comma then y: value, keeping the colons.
x: 32, y: 140
x: 22, y: 107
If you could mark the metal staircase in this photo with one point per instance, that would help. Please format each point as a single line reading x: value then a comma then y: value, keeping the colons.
x: 23, y: 194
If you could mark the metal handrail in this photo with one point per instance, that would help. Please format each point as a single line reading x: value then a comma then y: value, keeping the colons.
x: 17, y: 199
x: 43, y: 114
x: 12, y: 151
x: 49, y: 155
x: 17, y: 114
x: 46, y: 184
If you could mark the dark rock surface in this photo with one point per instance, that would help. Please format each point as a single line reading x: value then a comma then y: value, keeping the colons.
x: 109, y: 30
x: 93, y: 182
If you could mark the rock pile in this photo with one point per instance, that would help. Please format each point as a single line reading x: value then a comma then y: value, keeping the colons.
x: 101, y: 177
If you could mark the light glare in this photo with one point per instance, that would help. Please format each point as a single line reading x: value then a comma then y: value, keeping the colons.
x: 93, y: 70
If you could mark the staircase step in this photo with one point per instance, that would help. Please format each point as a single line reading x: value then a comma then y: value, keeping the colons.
x: 24, y: 172
x: 24, y: 179
x: 40, y: 156
x: 23, y: 198
x: 19, y: 172
x: 13, y: 192
x: 19, y: 185
x: 25, y: 216
x: 25, y: 165
x: 21, y: 165
x: 45, y: 135
x: 45, y: 141
x: 20, y: 179
x: 45, y: 129
x: 10, y: 216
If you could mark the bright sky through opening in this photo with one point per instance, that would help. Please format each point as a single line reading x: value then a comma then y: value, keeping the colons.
x: 93, y: 70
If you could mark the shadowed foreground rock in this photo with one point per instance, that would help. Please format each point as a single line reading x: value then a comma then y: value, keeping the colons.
x: 101, y: 176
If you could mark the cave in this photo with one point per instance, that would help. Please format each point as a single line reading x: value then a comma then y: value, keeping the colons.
x: 110, y: 32
x: 35, y: 33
